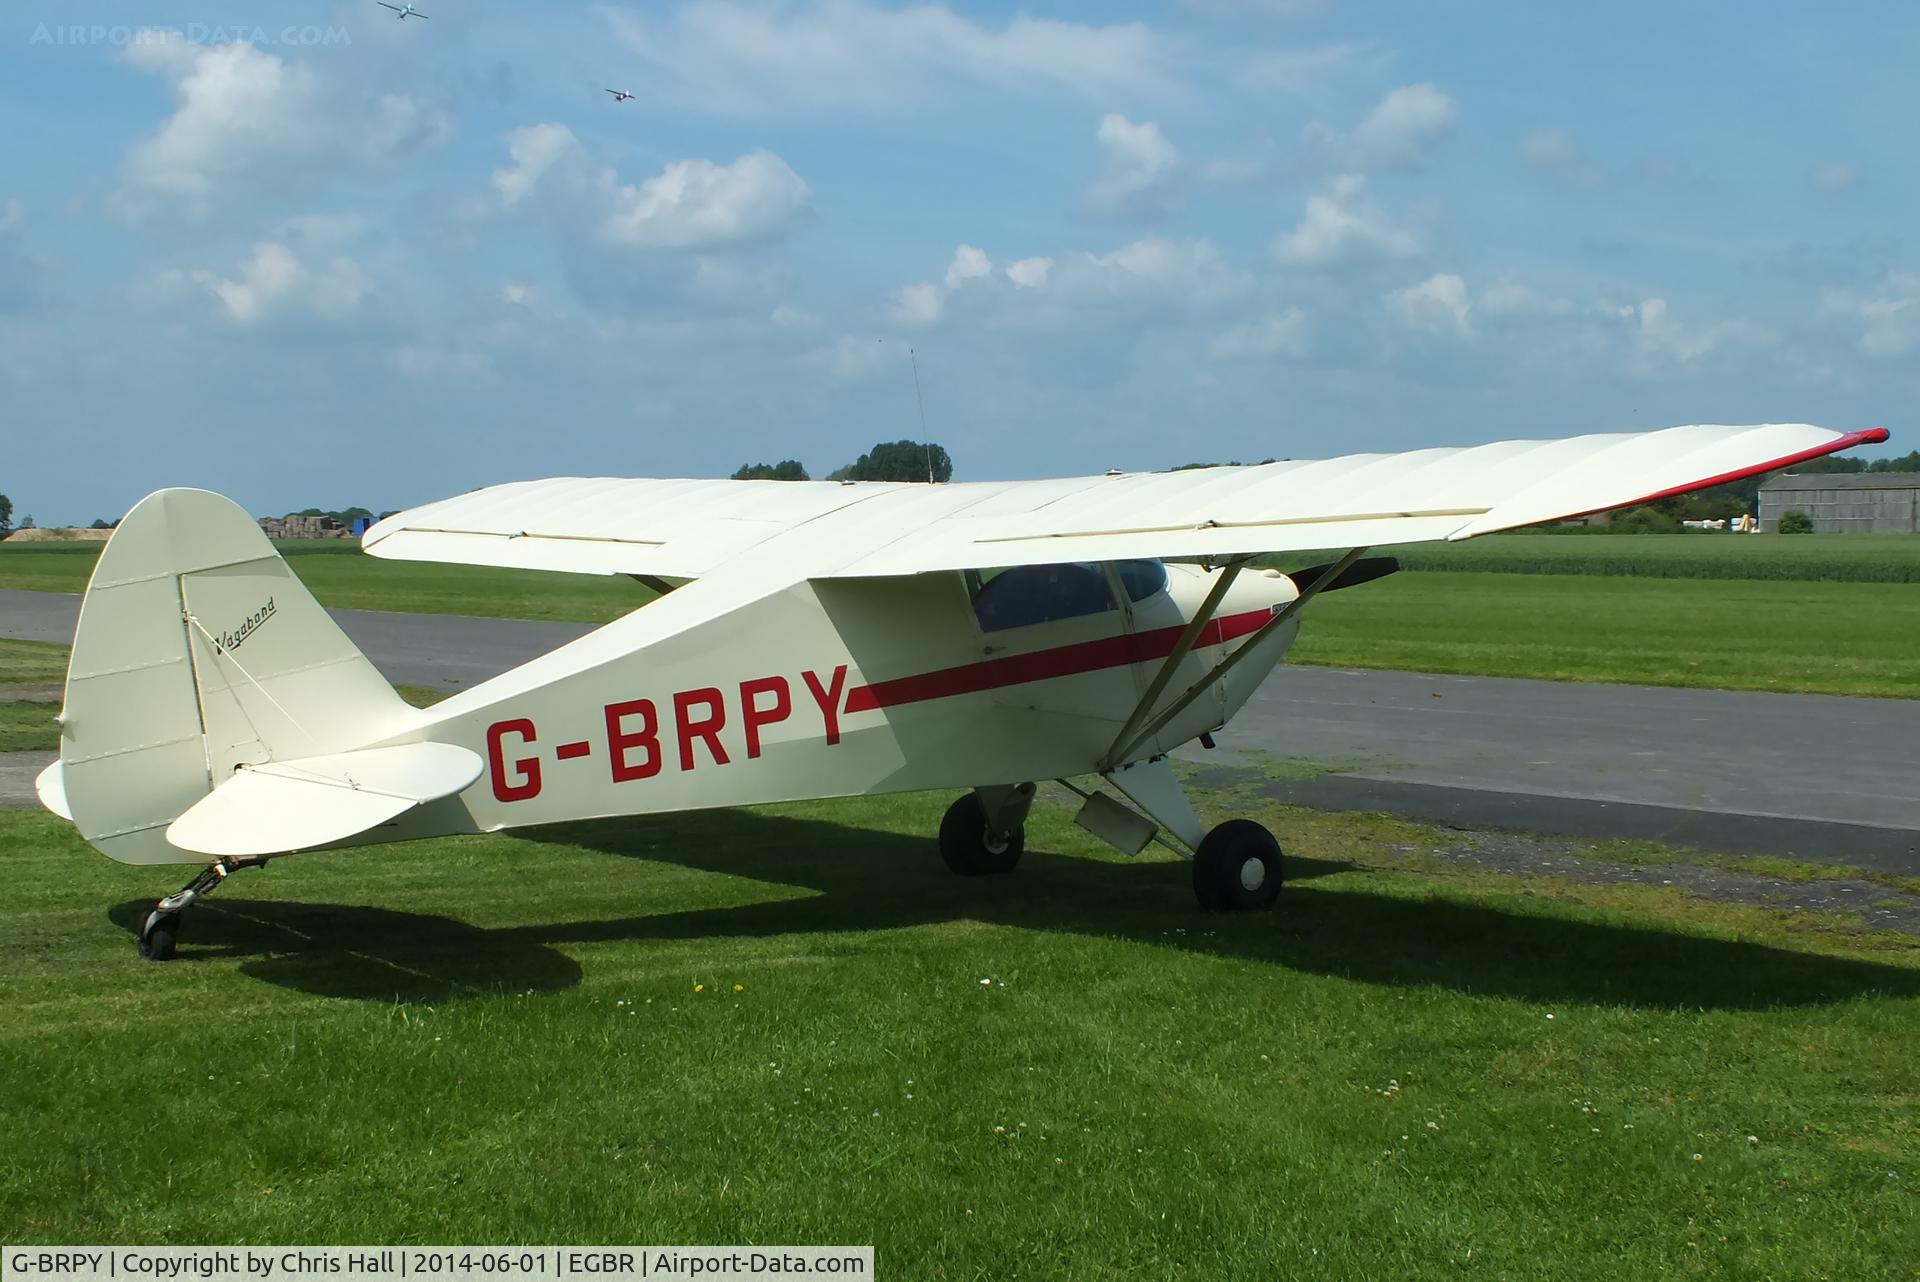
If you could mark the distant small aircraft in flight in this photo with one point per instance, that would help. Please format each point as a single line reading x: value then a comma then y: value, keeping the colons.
x: 619, y: 95
x: 402, y: 11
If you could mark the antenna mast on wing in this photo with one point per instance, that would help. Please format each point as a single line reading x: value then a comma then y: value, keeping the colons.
x: 922, y: 406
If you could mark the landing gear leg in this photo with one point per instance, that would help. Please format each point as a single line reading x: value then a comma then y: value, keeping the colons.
x: 162, y: 926
x: 984, y: 832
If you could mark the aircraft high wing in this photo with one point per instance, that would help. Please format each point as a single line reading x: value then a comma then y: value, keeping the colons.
x: 827, y: 529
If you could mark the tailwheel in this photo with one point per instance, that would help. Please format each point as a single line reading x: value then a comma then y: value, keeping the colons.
x: 160, y: 932
x: 1237, y: 868
x: 974, y: 848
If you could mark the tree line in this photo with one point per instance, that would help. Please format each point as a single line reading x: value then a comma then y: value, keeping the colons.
x: 887, y: 461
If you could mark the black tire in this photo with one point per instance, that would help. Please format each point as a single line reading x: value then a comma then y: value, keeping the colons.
x: 1238, y: 868
x: 157, y: 936
x: 966, y: 846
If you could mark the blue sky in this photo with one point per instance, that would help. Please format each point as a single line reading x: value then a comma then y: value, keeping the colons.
x: 331, y: 258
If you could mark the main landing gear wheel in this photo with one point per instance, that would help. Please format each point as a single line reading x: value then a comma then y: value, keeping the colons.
x: 1237, y: 868
x: 971, y: 848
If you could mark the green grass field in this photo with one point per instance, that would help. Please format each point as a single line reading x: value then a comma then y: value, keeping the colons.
x: 30, y: 662
x: 773, y: 1027
x: 340, y: 575
x: 1827, y: 638
x: 28, y: 726
x: 1745, y: 633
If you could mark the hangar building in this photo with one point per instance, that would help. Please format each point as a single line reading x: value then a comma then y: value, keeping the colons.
x: 1845, y: 502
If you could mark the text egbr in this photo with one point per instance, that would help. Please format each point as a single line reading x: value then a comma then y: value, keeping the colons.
x: 640, y: 737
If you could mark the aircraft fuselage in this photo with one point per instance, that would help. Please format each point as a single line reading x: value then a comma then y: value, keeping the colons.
x: 843, y: 687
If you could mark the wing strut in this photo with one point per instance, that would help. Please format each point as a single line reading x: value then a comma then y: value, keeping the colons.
x: 1124, y: 746
x: 1181, y: 648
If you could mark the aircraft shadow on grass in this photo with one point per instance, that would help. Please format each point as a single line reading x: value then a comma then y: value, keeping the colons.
x: 866, y: 880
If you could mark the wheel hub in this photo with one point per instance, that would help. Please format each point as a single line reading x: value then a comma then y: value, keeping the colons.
x: 1253, y: 874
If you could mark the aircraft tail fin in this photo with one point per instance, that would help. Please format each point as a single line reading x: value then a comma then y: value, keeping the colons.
x: 199, y: 654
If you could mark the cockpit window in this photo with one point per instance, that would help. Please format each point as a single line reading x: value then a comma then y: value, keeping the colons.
x: 1141, y: 579
x: 1027, y: 594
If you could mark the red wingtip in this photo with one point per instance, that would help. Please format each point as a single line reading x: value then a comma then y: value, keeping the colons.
x: 1870, y: 436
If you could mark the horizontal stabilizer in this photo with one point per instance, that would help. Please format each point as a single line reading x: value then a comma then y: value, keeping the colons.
x: 283, y: 806
x: 51, y: 786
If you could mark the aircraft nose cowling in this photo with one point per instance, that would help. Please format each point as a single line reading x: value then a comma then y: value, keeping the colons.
x: 1251, y: 603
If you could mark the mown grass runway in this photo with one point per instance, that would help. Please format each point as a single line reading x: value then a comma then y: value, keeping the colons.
x: 1692, y: 610
x: 793, y: 1025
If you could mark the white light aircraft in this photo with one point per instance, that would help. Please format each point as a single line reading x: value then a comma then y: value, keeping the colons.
x: 811, y: 639
x: 401, y: 11
x: 619, y: 95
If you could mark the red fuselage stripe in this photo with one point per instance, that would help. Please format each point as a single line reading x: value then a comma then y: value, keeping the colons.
x: 1043, y: 665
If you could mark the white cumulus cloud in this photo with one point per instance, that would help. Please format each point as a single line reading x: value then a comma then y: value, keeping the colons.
x: 1140, y: 166
x: 689, y: 204
x: 1439, y: 304
x: 969, y: 263
x: 243, y: 115
x: 1190, y: 273
x: 1340, y: 223
x: 275, y: 280
x: 1659, y: 334
x: 696, y: 202
x: 920, y: 304
x: 1403, y: 124
x: 537, y: 150
x: 1397, y: 133
x: 1030, y: 273
x: 1151, y: 273
x: 924, y: 303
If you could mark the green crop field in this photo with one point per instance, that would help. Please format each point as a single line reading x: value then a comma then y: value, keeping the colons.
x: 793, y: 1025
x: 1851, y: 558
x: 1752, y: 632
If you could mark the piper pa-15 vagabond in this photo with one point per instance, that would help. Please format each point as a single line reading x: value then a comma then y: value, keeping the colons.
x: 810, y: 639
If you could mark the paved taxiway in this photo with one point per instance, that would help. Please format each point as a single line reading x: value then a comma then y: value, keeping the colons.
x: 1814, y: 777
